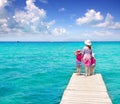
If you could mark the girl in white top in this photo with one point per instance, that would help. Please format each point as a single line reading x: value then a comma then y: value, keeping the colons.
x: 87, y: 55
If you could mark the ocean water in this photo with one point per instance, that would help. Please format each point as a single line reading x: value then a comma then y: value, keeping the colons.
x: 38, y: 73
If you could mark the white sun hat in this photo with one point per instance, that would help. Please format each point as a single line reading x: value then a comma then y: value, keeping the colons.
x: 88, y: 42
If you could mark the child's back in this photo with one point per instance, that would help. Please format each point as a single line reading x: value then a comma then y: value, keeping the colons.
x: 79, y: 56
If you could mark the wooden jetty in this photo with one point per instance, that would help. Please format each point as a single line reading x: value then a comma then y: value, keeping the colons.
x: 86, y: 90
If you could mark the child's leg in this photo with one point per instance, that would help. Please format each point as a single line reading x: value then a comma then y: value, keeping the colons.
x: 78, y: 69
x: 92, y: 70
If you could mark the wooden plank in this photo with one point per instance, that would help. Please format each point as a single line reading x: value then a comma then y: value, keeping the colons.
x: 86, y: 90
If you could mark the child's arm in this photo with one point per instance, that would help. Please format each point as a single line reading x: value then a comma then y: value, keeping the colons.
x: 75, y: 53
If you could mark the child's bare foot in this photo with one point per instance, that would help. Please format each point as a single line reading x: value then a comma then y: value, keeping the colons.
x: 77, y: 73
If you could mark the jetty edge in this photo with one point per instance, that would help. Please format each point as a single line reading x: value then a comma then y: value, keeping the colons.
x: 86, y: 90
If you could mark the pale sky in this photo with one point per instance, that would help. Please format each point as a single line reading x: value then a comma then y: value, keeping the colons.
x: 59, y: 20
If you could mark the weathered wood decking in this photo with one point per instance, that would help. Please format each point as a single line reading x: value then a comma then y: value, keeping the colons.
x: 86, y: 90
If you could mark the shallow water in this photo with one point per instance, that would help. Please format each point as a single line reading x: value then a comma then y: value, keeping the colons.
x: 38, y: 73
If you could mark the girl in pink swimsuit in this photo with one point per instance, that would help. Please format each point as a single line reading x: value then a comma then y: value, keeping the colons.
x: 79, y: 56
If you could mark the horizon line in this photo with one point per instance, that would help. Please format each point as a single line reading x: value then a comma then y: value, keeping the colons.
x: 64, y: 41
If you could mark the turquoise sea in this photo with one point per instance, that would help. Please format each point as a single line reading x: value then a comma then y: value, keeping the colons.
x: 38, y: 72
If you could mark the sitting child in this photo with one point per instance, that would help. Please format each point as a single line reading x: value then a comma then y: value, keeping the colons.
x: 93, y: 64
x: 79, y: 56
